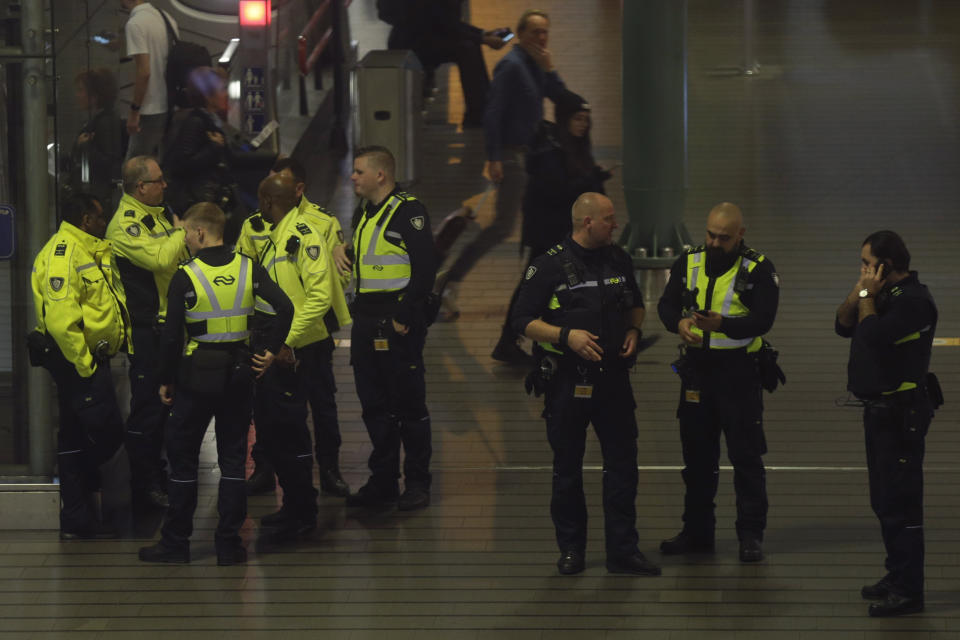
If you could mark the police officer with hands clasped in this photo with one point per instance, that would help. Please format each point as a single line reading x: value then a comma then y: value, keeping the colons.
x: 722, y: 298
x: 395, y: 266
x: 149, y: 247
x: 891, y: 318
x: 211, y: 297
x: 316, y: 359
x: 296, y: 258
x: 81, y: 322
x: 581, y: 303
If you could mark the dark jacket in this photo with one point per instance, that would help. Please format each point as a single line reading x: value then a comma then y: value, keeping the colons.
x: 196, y: 168
x: 552, y: 188
x: 103, y: 154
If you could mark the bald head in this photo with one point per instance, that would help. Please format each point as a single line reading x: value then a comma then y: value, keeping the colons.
x: 593, y: 220
x: 277, y: 195
x: 725, y: 230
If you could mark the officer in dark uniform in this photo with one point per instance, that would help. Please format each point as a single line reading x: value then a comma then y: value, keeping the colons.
x: 581, y: 303
x: 149, y: 247
x: 212, y: 297
x: 81, y: 322
x: 721, y: 298
x: 891, y: 319
x: 395, y: 266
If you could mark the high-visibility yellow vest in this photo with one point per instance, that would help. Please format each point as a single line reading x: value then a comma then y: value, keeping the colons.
x: 381, y: 265
x: 725, y: 298
x: 224, y: 301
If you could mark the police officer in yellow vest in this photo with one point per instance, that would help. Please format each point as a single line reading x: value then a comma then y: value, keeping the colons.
x: 395, y: 266
x: 721, y: 298
x: 317, y: 359
x: 211, y: 296
x: 296, y: 258
x: 149, y: 247
x: 81, y: 322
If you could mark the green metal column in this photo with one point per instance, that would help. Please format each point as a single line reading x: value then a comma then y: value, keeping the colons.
x: 655, y: 128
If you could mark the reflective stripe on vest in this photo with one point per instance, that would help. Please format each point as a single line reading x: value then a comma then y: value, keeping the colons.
x: 725, y: 300
x: 223, y: 323
x: 381, y: 265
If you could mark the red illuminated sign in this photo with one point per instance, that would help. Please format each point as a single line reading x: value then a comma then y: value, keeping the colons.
x: 254, y: 13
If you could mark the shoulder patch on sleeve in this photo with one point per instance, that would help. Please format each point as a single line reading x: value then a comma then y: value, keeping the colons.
x: 133, y: 230
x: 57, y: 283
x: 303, y: 228
x: 129, y: 213
x: 531, y: 271
x: 776, y: 279
x: 313, y: 251
x: 417, y: 222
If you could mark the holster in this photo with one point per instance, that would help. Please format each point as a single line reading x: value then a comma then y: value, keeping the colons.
x: 771, y: 375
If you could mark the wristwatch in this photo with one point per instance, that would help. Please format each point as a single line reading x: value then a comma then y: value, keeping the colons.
x: 864, y: 293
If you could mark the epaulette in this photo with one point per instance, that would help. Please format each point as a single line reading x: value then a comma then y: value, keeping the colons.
x: 303, y: 228
x: 256, y: 222
x: 129, y: 213
x: 293, y: 245
x: 403, y: 195
x: 149, y: 222
x: 697, y: 249
x: 751, y: 254
x: 184, y: 263
x: 554, y: 250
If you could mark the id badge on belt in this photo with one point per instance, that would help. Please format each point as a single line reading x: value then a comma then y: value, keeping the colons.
x: 584, y: 390
x: 380, y: 342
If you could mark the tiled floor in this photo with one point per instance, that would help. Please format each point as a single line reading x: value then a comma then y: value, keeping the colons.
x: 851, y: 126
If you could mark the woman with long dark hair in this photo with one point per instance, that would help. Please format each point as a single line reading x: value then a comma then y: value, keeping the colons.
x: 560, y: 167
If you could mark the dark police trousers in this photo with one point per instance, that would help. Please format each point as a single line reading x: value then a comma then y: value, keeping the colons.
x: 610, y: 409
x: 723, y: 396
x: 316, y: 367
x: 145, y: 424
x: 393, y: 396
x: 91, y: 431
x: 894, y: 431
x: 280, y: 416
x: 186, y: 425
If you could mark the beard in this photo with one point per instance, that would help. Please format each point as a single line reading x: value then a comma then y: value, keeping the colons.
x: 716, y: 254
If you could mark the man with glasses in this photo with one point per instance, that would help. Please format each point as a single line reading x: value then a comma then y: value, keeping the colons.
x: 149, y: 245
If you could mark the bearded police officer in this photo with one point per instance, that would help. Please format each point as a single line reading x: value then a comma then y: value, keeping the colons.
x: 581, y: 303
x: 296, y: 258
x: 149, y: 246
x: 316, y: 359
x: 211, y: 296
x: 395, y: 266
x: 721, y: 298
x: 81, y: 322
x: 891, y: 318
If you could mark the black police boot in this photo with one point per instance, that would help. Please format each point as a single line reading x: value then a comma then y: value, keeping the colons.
x: 751, y: 550
x: 636, y: 564
x: 95, y: 531
x: 896, y: 605
x: 684, y: 542
x: 414, y: 498
x: 160, y: 553
x: 571, y: 562
x: 261, y: 480
x: 231, y: 555
x: 370, y: 496
x: 507, y: 350
x: 876, y: 591
x: 332, y: 483
x: 293, y: 527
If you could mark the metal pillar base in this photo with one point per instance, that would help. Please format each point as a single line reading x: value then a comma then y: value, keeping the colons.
x: 29, y: 505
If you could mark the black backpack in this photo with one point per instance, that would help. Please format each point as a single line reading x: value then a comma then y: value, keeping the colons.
x: 183, y: 58
x: 391, y: 11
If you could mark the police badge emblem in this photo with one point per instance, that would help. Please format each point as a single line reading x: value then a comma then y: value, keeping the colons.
x: 56, y: 283
x: 133, y: 230
x: 530, y: 272
x: 417, y: 223
x: 313, y: 251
